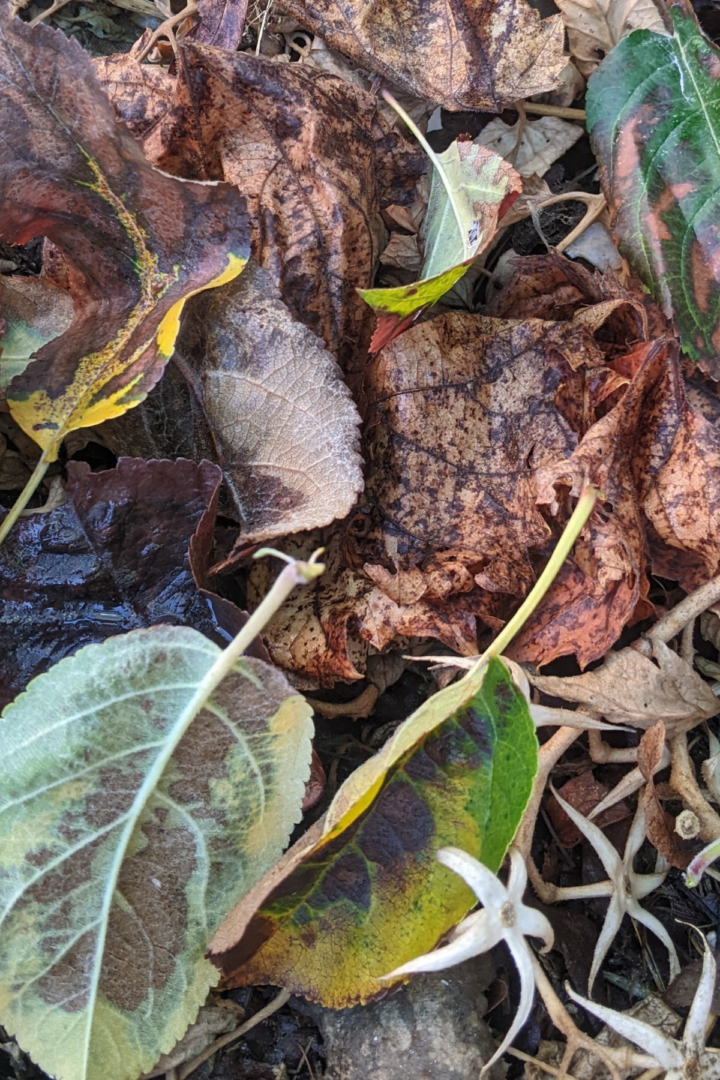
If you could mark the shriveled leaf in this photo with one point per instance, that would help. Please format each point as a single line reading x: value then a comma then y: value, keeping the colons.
x: 315, y: 162
x: 532, y: 146
x: 137, y: 243
x: 282, y: 420
x: 115, y: 557
x: 362, y: 890
x: 652, y: 114
x: 33, y: 312
x: 462, y: 56
x: 630, y: 688
x: 595, y: 27
x: 658, y: 825
x: 476, y: 188
x: 133, y: 813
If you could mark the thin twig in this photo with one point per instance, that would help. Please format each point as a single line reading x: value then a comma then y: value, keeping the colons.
x: 670, y: 625
x: 50, y: 11
x: 231, y: 1036
x: 554, y: 110
x: 683, y: 780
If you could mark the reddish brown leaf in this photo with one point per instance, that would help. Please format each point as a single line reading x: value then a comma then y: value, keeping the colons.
x: 658, y: 824
x: 583, y: 792
x: 222, y: 23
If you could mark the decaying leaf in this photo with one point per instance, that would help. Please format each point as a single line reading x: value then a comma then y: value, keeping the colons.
x: 595, y: 27
x: 659, y: 829
x: 137, y: 242
x: 135, y: 810
x: 113, y: 558
x: 34, y: 311
x: 314, y: 161
x: 630, y: 688
x: 284, y: 425
x: 531, y: 146
x: 472, y: 188
x: 362, y: 889
x: 462, y: 56
x: 651, y: 111
x: 222, y: 23
x: 583, y: 793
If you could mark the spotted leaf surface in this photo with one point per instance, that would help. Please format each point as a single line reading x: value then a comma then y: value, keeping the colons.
x: 136, y: 243
x: 653, y: 110
x: 131, y: 820
x: 466, y: 202
x: 362, y: 892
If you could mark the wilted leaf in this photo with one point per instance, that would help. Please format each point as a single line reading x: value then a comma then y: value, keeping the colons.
x: 463, y: 56
x: 33, y: 312
x: 113, y: 558
x: 628, y: 688
x: 652, y: 109
x: 466, y: 202
x: 283, y: 423
x: 658, y: 825
x: 595, y: 27
x: 137, y: 243
x: 362, y: 892
x: 531, y: 145
x: 134, y: 812
x: 313, y: 159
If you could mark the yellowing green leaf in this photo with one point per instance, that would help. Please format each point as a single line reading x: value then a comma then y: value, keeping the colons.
x: 362, y: 892
x: 137, y: 804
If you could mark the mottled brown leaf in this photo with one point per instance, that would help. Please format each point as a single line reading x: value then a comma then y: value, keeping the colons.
x: 468, y: 54
x: 658, y: 824
x: 222, y: 23
x: 583, y: 792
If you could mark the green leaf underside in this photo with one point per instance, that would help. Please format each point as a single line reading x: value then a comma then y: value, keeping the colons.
x: 125, y: 837
x: 653, y: 110
x: 373, y: 896
x: 483, y: 187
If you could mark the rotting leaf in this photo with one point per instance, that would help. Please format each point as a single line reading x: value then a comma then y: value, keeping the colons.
x: 595, y: 27
x: 33, y: 311
x: 284, y: 425
x: 115, y: 557
x: 222, y: 23
x: 361, y: 892
x: 659, y: 829
x: 462, y: 56
x: 652, y: 116
x: 471, y: 188
x: 140, y: 800
x: 137, y: 243
x: 531, y: 146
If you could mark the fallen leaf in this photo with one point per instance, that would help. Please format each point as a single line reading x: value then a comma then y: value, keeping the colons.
x: 595, y: 27
x: 471, y: 190
x: 361, y: 891
x: 583, y: 792
x: 314, y: 162
x: 137, y: 243
x: 651, y: 117
x: 140, y: 801
x: 629, y: 688
x: 467, y: 56
x: 659, y: 826
x: 114, y: 558
x: 34, y: 311
x: 222, y: 23
x: 531, y: 146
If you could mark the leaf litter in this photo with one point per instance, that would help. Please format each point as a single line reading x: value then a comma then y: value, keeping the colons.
x: 438, y: 466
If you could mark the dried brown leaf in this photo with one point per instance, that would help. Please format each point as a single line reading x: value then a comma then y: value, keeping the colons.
x: 583, y: 792
x: 658, y: 824
x: 467, y: 55
x: 595, y: 27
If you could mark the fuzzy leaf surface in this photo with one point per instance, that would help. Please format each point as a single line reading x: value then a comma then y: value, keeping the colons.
x: 362, y: 892
x: 128, y: 829
x: 136, y: 243
x: 653, y: 109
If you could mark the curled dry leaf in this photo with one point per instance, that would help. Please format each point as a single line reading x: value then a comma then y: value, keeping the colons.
x: 283, y: 423
x: 313, y: 159
x: 531, y: 146
x: 658, y: 824
x: 462, y: 56
x: 629, y: 688
x: 595, y: 27
x: 137, y: 243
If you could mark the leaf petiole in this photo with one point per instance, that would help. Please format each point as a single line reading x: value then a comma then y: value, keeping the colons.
x: 26, y: 494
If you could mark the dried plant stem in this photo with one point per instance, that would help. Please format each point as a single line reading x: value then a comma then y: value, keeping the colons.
x: 50, y: 11
x: 166, y: 29
x: 276, y: 1003
x: 671, y: 624
x: 683, y: 780
x: 538, y: 109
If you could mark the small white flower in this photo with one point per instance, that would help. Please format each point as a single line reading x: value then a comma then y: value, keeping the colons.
x: 625, y: 887
x: 503, y: 917
x: 686, y: 1060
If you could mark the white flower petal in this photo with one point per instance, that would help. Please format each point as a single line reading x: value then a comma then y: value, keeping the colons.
x: 518, y: 877
x: 489, y: 890
x: 666, y: 1051
x: 534, y: 924
x: 658, y: 929
x: 644, y: 884
x: 636, y: 835
x: 521, y: 955
x: 608, y: 855
x: 613, y: 918
x: 694, y: 1036
x: 478, y: 937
